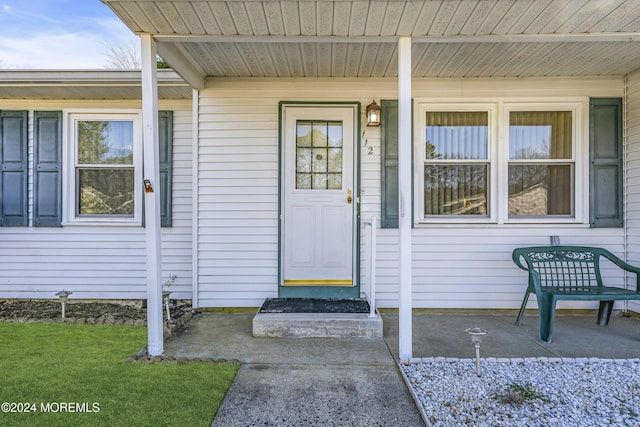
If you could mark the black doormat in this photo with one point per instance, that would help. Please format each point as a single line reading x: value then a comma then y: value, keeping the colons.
x: 315, y: 305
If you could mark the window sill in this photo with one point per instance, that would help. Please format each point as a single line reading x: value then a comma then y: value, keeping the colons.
x: 102, y: 223
x: 546, y: 221
x: 457, y: 221
x: 505, y: 224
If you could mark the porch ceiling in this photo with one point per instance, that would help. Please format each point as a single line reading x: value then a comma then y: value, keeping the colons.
x: 357, y: 38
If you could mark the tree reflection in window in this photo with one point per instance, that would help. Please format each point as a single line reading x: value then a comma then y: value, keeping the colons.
x: 318, y: 155
x: 104, y: 168
x: 456, y: 163
x: 540, y: 163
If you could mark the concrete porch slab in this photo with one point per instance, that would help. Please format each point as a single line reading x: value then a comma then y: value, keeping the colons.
x: 317, y: 325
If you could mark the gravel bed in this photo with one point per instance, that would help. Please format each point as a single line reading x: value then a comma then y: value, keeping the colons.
x: 528, y: 392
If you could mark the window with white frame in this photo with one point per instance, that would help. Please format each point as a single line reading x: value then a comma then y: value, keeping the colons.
x: 106, y: 171
x: 499, y: 162
x: 541, y: 164
x: 456, y: 167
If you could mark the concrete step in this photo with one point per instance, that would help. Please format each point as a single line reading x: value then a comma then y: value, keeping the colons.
x: 317, y: 325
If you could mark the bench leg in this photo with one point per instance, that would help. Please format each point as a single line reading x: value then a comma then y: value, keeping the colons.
x: 524, y: 304
x: 547, y: 312
x: 604, y: 313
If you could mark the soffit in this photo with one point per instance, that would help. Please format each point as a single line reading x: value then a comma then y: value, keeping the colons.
x: 343, y: 38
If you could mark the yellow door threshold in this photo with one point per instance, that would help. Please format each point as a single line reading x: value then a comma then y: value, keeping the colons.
x: 318, y: 283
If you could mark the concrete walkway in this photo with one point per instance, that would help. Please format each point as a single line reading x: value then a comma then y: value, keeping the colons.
x: 300, y: 382
x: 356, y: 382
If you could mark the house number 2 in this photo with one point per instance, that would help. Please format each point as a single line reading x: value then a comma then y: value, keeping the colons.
x: 369, y: 149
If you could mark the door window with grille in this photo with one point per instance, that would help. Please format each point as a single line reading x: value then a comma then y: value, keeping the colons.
x: 318, y: 155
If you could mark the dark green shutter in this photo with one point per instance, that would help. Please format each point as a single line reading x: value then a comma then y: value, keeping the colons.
x: 165, y: 135
x: 47, y: 179
x: 13, y: 176
x: 605, y: 155
x: 389, y: 166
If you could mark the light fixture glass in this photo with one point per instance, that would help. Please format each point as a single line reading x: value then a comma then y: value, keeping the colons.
x: 373, y: 114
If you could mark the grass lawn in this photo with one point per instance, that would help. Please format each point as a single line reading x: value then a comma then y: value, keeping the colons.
x: 44, y: 366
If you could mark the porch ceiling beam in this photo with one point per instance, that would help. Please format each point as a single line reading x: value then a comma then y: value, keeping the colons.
x: 488, y: 38
x: 185, y: 68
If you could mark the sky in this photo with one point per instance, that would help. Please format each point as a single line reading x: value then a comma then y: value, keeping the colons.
x: 59, y: 34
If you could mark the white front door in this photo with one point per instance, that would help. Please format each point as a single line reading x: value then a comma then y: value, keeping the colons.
x: 318, y: 199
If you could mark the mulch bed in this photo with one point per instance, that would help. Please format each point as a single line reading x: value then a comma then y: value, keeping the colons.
x: 51, y: 310
x: 40, y: 310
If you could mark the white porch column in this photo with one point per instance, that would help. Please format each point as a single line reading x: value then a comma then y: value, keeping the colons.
x: 195, y: 230
x: 404, y: 190
x: 155, y: 345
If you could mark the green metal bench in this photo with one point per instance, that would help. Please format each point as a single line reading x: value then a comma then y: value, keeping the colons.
x: 570, y: 273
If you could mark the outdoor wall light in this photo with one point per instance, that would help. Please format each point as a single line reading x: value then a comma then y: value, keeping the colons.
x: 373, y: 114
x: 476, y: 338
x: 64, y: 296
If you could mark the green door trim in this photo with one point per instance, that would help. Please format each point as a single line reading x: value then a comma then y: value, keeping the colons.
x: 319, y: 291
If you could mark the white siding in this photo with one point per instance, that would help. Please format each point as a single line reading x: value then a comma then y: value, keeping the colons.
x: 471, y: 267
x: 99, y: 262
x: 177, y: 239
x: 632, y: 174
x: 453, y: 266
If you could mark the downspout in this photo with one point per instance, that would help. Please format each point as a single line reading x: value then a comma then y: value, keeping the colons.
x: 405, y: 320
x: 151, y: 174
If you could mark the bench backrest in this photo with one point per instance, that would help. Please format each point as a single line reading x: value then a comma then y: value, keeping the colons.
x: 565, y: 267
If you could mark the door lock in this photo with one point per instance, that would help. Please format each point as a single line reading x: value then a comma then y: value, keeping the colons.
x: 349, y: 196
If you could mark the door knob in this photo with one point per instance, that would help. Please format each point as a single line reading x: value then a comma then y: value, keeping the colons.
x: 349, y: 196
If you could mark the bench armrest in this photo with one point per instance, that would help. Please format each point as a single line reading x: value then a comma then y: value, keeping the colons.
x: 517, y: 258
x: 623, y: 265
x: 534, y: 276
